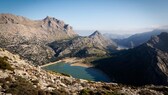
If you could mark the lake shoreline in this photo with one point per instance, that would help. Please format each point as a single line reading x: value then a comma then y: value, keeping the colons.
x: 72, y: 61
x: 77, y: 69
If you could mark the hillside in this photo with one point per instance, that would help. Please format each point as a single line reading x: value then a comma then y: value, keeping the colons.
x: 29, y: 38
x: 18, y: 77
x: 145, y: 64
x: 94, y: 45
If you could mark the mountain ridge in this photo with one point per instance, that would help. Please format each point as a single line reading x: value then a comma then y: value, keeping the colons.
x: 48, y: 26
x: 92, y: 45
x: 29, y: 38
x: 144, y: 64
x: 139, y: 38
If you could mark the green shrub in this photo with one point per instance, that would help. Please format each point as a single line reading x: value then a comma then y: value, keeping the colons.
x: 35, y: 82
x: 5, y: 86
x: 106, y: 87
x: 4, y: 64
x: 5, y: 58
x: 41, y: 92
x: 65, y: 74
x: 8, y: 79
x: 86, y: 92
x: 99, y: 92
x: 59, y: 92
x: 22, y: 87
x: 108, y: 93
x: 51, y: 85
x: 146, y: 92
x: 2, y: 80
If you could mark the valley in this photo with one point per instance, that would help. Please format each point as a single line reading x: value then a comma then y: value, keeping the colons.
x: 50, y: 57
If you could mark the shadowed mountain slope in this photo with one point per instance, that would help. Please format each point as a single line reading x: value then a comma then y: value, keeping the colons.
x: 145, y: 64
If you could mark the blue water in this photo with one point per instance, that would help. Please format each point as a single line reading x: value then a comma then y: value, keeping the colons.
x: 79, y: 72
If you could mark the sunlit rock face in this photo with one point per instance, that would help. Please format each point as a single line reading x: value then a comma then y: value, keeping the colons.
x: 94, y: 45
x: 29, y: 38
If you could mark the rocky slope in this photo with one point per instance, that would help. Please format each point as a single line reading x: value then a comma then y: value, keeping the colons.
x: 145, y: 64
x: 93, y: 45
x: 48, y: 29
x: 18, y: 77
x: 29, y: 38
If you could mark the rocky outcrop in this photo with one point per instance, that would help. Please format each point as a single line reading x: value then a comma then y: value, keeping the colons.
x: 17, y: 77
x: 29, y: 38
x: 145, y: 64
x: 93, y: 45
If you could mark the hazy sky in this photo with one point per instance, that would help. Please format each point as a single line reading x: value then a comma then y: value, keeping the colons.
x: 115, y: 16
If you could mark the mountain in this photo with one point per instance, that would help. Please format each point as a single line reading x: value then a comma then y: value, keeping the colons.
x: 94, y: 45
x: 138, y: 39
x: 29, y: 38
x: 116, y: 36
x: 144, y: 64
x: 17, y: 77
x: 49, y: 29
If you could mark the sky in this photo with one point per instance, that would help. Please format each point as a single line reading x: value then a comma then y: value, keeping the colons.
x: 85, y: 16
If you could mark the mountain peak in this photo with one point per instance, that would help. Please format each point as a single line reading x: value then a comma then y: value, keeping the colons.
x: 49, y: 18
x: 96, y: 33
x: 163, y: 34
x: 160, y: 42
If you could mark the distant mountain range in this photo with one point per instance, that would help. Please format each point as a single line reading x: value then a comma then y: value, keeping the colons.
x: 138, y: 39
x: 144, y: 64
x: 116, y: 36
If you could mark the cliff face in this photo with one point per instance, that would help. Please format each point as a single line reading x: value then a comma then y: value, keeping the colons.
x: 93, y: 45
x: 145, y: 64
x: 160, y: 43
x: 29, y: 38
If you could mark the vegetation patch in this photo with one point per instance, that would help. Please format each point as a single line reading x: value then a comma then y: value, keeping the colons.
x: 93, y: 58
x: 4, y: 64
x: 56, y: 73
x: 65, y: 74
x: 86, y: 92
x: 21, y: 87
x: 100, y: 92
x: 146, y: 92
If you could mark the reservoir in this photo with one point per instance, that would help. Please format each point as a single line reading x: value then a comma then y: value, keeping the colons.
x: 88, y: 73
